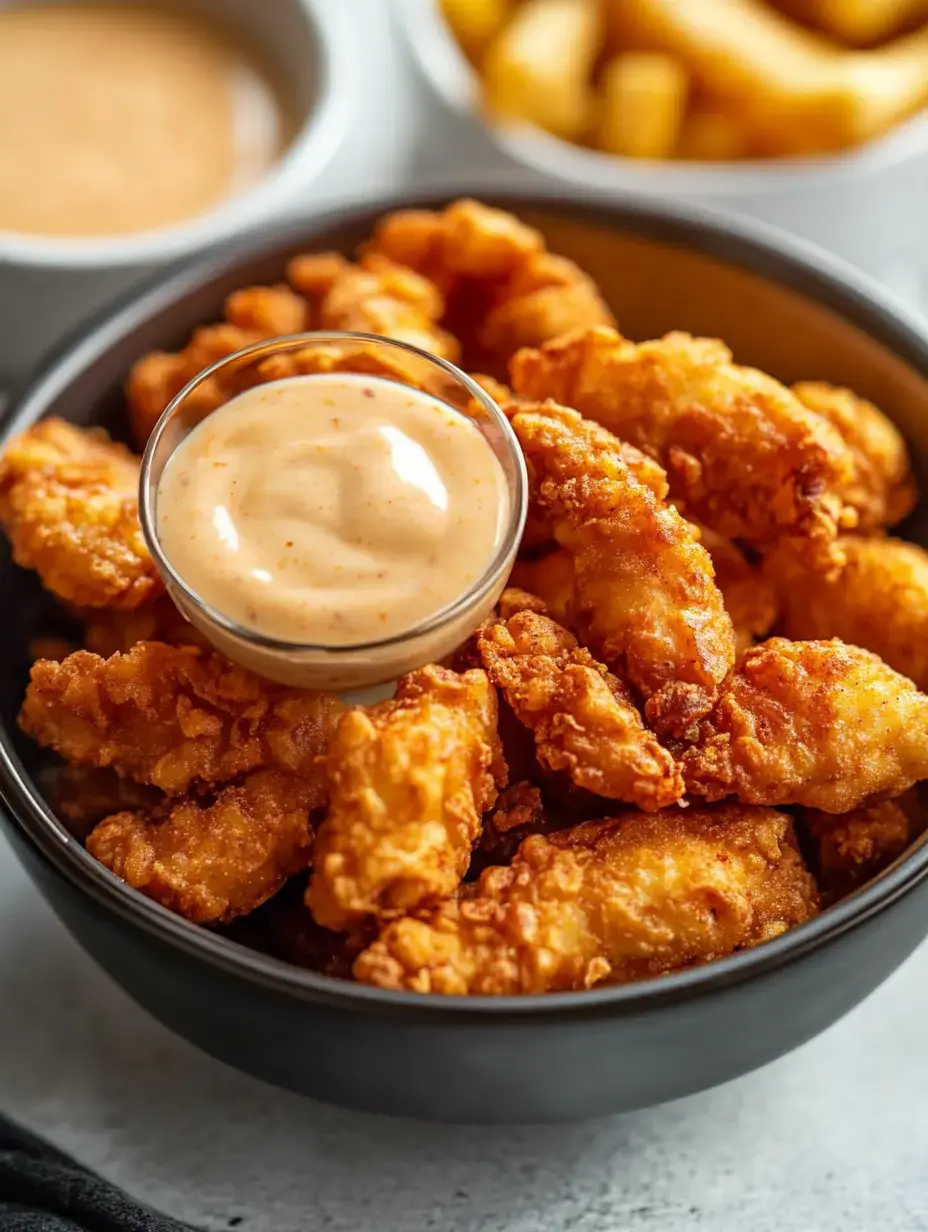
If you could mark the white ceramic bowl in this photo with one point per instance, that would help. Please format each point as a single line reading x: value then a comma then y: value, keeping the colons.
x: 868, y: 205
x: 47, y: 286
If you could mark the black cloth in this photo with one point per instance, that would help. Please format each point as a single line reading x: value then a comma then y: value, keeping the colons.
x: 44, y: 1190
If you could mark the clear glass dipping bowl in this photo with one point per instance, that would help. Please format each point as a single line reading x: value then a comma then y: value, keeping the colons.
x: 338, y: 668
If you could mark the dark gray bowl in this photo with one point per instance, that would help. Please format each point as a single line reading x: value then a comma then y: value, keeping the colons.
x: 782, y: 306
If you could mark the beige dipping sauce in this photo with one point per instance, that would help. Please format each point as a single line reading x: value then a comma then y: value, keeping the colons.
x: 126, y: 117
x: 332, y: 510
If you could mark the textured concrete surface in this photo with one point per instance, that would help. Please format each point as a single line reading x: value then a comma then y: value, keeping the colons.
x: 830, y: 1139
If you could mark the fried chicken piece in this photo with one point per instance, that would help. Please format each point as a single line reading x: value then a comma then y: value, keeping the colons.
x: 853, y: 847
x: 115, y: 631
x: 741, y: 451
x: 495, y: 270
x: 750, y: 597
x: 644, y: 596
x: 605, y: 902
x: 251, y: 315
x: 83, y: 795
x: 176, y: 717
x: 409, y: 779
x: 582, y: 716
x: 878, y: 601
x: 69, y: 504
x: 551, y: 579
x: 211, y: 861
x: 882, y: 488
x: 822, y: 724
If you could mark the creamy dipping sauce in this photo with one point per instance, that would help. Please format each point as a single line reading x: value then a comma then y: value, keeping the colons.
x: 125, y: 117
x: 332, y: 510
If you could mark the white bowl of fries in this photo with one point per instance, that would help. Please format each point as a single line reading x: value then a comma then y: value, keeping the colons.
x: 828, y: 141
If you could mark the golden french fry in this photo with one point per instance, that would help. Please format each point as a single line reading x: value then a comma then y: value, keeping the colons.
x: 643, y: 101
x: 710, y: 135
x: 806, y: 93
x: 860, y: 22
x: 539, y: 67
x: 476, y: 22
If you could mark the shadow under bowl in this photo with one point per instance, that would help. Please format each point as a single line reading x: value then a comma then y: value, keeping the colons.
x: 782, y: 306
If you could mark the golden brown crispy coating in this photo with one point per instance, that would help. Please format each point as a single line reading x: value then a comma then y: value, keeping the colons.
x: 822, y: 724
x: 742, y: 452
x: 750, y: 597
x: 882, y: 488
x: 878, y: 601
x: 176, y: 717
x: 409, y: 779
x: 83, y: 795
x: 582, y: 716
x: 211, y: 861
x: 69, y: 504
x: 853, y: 847
x: 551, y: 578
x: 606, y: 902
x: 644, y: 596
x: 115, y: 631
x: 251, y: 315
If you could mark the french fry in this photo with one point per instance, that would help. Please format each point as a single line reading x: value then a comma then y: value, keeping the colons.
x: 711, y: 135
x: 643, y: 101
x: 475, y: 23
x: 807, y: 93
x: 861, y: 22
x: 539, y: 68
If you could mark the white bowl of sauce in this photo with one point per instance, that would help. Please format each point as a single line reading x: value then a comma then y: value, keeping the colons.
x: 138, y: 132
x: 337, y: 527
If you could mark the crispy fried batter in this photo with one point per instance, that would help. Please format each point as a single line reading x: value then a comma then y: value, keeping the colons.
x: 881, y: 489
x: 251, y: 315
x: 176, y: 717
x: 644, y: 596
x: 822, y: 724
x: 409, y: 780
x: 750, y: 597
x: 582, y: 717
x: 551, y: 578
x: 742, y: 452
x: 606, y: 902
x: 83, y: 795
x: 69, y: 504
x: 853, y: 847
x: 213, y: 861
x: 878, y: 601
x: 115, y: 631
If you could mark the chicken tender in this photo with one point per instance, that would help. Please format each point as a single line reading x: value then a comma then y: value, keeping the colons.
x: 115, y: 631
x: 750, y: 597
x: 69, y: 504
x: 878, y: 601
x: 605, y: 902
x: 583, y: 718
x: 742, y: 453
x: 409, y: 780
x: 821, y: 724
x: 176, y: 717
x: 644, y: 596
x: 881, y: 488
x: 853, y: 847
x: 83, y: 795
x: 551, y: 579
x: 213, y: 861
x: 251, y: 315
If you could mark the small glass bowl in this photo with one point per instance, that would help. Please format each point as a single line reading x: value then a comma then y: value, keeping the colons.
x: 353, y: 667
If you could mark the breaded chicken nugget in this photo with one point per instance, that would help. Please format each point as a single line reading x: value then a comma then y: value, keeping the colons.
x: 742, y: 452
x: 853, y: 847
x: 409, y: 780
x: 69, y: 504
x: 882, y: 488
x: 251, y: 315
x: 750, y: 597
x: 644, y: 596
x: 822, y: 724
x: 211, y: 861
x: 176, y: 717
x: 878, y: 601
x: 583, y: 718
x: 605, y: 902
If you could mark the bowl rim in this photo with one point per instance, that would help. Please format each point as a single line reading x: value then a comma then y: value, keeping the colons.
x: 453, y: 79
x: 312, y: 147
x: 755, y: 247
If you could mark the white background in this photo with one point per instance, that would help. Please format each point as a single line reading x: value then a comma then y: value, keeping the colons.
x: 831, y: 1138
